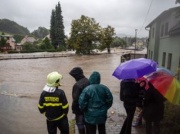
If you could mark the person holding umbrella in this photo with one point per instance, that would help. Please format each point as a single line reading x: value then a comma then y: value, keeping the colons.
x: 153, y: 110
x: 129, y: 93
x: 128, y: 72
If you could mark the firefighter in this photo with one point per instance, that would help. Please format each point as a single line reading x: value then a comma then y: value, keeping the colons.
x: 54, y: 105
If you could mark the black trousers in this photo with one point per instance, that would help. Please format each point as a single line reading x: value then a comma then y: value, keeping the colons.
x: 126, y: 128
x: 152, y: 127
x: 61, y: 124
x: 92, y: 128
x: 80, y: 123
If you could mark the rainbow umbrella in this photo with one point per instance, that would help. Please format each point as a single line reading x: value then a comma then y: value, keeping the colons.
x: 167, y: 85
x: 165, y: 70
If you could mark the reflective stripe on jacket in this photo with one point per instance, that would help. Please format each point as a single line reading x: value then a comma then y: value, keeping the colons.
x: 54, y: 105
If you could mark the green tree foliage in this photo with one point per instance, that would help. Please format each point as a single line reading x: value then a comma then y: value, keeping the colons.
x: 40, y: 33
x: 107, y: 38
x: 30, y: 47
x: 12, y: 27
x: 2, y: 40
x: 46, y: 45
x: 177, y: 1
x: 60, y: 27
x: 57, y: 28
x: 68, y: 45
x: 18, y: 38
x: 85, y: 33
x: 53, y: 29
x: 178, y: 10
x: 118, y: 42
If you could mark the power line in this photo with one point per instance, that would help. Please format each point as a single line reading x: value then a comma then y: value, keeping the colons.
x: 146, y: 15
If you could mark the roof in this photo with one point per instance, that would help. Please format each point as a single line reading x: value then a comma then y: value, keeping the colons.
x: 175, y: 30
x: 164, y: 14
x: 177, y: 26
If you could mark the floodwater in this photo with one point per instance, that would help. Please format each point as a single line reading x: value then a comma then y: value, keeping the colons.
x: 22, y: 80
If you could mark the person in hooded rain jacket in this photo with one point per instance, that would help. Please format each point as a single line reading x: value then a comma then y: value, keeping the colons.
x: 153, y: 110
x: 81, y: 83
x: 95, y: 100
x: 129, y: 93
x: 54, y: 105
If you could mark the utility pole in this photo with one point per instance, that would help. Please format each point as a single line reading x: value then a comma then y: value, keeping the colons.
x: 135, y: 43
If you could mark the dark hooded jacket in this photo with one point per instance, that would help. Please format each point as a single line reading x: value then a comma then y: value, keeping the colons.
x: 95, y: 100
x: 129, y: 92
x: 81, y: 83
x: 154, y: 105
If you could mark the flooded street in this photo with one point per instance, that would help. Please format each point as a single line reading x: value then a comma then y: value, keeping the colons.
x: 22, y: 80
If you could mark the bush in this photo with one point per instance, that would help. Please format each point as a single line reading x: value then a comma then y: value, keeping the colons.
x: 13, y: 51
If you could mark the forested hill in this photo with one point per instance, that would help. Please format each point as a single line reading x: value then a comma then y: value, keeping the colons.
x: 11, y: 27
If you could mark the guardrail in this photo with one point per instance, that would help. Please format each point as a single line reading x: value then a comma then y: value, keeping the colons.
x: 33, y: 56
x: 129, y: 56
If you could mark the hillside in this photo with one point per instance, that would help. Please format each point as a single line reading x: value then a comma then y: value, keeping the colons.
x: 11, y: 27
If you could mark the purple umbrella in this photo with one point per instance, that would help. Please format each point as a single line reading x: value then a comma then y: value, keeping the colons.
x: 135, y: 68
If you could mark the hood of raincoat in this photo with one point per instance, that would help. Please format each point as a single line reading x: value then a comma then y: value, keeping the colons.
x: 95, y: 78
x: 77, y: 73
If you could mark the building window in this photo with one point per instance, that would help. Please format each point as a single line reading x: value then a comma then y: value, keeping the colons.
x: 151, y: 54
x: 169, y: 61
x: 166, y: 28
x: 164, y: 59
x: 162, y: 30
x: 153, y: 32
x: 178, y: 71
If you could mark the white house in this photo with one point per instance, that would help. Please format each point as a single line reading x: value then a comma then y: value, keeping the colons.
x: 164, y: 39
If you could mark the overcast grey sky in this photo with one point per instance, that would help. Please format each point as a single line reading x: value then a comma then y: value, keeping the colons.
x: 124, y: 15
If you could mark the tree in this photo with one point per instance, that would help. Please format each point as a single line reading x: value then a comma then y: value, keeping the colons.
x: 46, y: 45
x: 53, y: 29
x: 30, y: 47
x: 177, y: 1
x: 18, y: 38
x: 57, y: 28
x: 2, y: 41
x: 107, y: 38
x: 84, y: 35
x: 41, y: 32
x: 118, y: 42
x: 178, y: 10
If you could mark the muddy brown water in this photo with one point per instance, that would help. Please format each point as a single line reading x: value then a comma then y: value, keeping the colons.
x: 22, y: 80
